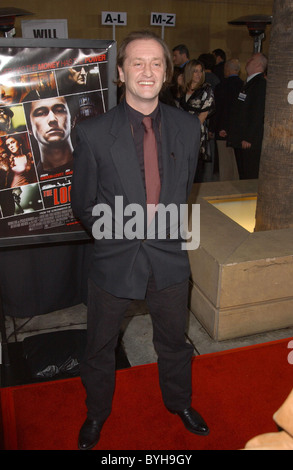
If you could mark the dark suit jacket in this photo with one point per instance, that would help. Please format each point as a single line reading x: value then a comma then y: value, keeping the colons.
x: 226, y: 93
x: 105, y: 166
x: 247, y: 114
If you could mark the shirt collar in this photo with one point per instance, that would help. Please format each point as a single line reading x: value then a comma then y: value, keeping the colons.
x: 252, y: 76
x: 136, y: 117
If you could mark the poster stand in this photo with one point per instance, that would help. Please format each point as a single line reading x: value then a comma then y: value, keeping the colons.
x: 43, y: 213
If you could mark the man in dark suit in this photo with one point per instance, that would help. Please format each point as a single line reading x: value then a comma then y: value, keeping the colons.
x: 226, y: 93
x: 246, y: 127
x: 220, y: 57
x: 109, y: 171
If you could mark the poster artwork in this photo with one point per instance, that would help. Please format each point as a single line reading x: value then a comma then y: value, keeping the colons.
x: 44, y: 93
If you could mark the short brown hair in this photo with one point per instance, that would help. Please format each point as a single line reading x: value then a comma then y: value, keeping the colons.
x: 145, y: 34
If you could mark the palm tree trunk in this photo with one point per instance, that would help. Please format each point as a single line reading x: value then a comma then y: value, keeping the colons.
x: 275, y: 192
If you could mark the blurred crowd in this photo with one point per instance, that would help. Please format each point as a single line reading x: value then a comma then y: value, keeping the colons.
x: 231, y: 110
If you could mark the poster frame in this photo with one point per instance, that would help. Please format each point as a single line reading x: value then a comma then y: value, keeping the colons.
x: 111, y: 48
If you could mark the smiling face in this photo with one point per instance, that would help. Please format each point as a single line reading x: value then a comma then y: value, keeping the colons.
x: 197, y: 75
x: 50, y: 120
x: 143, y: 72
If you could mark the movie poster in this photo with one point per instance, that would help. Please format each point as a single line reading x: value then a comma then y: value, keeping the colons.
x: 44, y: 93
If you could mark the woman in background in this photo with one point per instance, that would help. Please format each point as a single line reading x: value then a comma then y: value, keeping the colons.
x: 198, y: 98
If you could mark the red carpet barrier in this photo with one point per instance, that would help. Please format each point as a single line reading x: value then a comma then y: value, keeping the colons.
x: 236, y: 391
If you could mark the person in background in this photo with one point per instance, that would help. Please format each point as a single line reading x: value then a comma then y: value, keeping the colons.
x: 198, y: 98
x: 180, y: 55
x: 171, y: 94
x: 209, y: 62
x: 220, y: 57
x: 246, y: 123
x: 225, y: 95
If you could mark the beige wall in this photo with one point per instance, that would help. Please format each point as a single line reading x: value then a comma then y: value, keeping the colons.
x: 200, y: 24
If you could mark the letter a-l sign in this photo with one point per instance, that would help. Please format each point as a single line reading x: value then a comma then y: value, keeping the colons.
x: 114, y: 18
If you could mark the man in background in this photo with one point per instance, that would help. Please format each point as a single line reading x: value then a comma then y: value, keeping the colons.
x: 220, y: 57
x: 246, y: 123
x: 180, y: 55
x: 226, y: 93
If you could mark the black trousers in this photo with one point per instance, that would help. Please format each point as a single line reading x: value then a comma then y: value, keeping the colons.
x: 168, y: 310
x: 248, y: 162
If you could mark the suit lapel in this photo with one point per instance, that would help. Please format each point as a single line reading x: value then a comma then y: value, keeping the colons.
x: 125, y: 159
x: 126, y: 162
x: 172, y: 150
x: 252, y: 80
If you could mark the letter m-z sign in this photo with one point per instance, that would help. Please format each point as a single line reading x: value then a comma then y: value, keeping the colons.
x: 163, y: 19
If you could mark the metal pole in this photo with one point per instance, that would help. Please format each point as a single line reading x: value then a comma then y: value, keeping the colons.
x: 258, y: 43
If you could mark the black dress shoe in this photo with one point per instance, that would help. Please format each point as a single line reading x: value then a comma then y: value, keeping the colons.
x: 193, y: 421
x: 89, y: 434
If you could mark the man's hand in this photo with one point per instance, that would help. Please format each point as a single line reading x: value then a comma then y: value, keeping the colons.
x: 245, y: 145
x: 223, y: 133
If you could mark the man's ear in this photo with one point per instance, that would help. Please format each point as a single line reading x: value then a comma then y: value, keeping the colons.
x: 121, y: 74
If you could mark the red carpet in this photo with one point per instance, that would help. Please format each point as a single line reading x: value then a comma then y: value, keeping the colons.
x: 236, y: 391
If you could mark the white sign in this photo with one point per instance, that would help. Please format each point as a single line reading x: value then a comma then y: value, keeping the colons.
x: 114, y: 18
x: 163, y: 19
x: 44, y: 29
